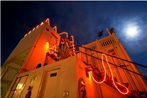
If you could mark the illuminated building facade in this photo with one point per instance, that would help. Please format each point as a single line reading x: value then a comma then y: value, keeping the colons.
x: 45, y: 64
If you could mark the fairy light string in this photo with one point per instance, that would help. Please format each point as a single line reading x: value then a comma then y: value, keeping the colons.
x: 112, y: 77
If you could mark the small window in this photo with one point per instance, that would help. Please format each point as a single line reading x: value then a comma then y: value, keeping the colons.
x: 53, y: 74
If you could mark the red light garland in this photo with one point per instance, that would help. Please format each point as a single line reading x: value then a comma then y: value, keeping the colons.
x: 112, y: 77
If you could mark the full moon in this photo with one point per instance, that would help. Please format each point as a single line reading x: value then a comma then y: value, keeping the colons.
x: 131, y: 30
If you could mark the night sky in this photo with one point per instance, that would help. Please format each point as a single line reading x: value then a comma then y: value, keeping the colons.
x: 82, y: 19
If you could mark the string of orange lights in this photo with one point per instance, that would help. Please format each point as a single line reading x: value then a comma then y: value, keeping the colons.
x: 116, y: 84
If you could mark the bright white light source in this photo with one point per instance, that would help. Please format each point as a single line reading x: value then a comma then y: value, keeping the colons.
x: 132, y: 30
x: 19, y: 86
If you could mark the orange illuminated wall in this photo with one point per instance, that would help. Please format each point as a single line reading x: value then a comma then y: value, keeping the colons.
x: 111, y: 45
x: 93, y: 89
x: 47, y: 38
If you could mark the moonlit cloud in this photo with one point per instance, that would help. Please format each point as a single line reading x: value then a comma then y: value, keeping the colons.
x: 134, y: 44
